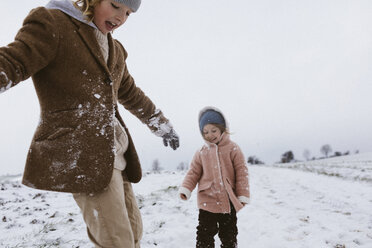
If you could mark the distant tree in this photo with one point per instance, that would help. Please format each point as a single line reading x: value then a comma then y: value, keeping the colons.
x: 306, y: 154
x: 287, y: 157
x: 182, y: 166
x: 356, y: 151
x: 337, y: 154
x: 156, y: 166
x: 254, y: 160
x: 251, y: 160
x: 326, y: 149
x: 346, y: 153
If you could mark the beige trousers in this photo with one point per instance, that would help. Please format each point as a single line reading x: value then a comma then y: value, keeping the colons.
x: 112, y: 217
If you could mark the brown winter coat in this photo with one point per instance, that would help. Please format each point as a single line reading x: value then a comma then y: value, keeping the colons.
x: 221, y: 174
x: 72, y: 148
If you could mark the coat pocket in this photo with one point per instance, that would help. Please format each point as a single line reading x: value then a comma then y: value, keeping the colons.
x: 60, y: 132
x: 232, y: 185
x: 207, y: 193
x: 205, y: 186
x: 64, y: 110
x: 57, y: 133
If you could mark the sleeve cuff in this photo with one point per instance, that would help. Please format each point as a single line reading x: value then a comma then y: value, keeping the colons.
x: 185, y: 191
x: 163, y: 129
x: 244, y: 199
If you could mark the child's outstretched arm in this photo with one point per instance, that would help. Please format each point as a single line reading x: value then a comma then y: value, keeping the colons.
x: 135, y: 101
x: 34, y: 47
x: 241, y: 175
x: 192, y: 178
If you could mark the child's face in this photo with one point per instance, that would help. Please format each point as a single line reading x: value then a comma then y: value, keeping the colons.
x: 212, y: 133
x: 109, y: 15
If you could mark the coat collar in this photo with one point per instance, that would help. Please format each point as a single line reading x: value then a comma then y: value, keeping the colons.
x: 85, y: 30
x: 225, y: 139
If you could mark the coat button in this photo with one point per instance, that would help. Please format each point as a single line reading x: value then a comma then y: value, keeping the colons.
x: 108, y: 81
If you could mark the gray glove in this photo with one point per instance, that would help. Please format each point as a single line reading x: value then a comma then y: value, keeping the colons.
x: 171, y: 139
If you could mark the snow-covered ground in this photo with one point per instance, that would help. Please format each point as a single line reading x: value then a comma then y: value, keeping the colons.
x: 353, y: 167
x: 289, y: 208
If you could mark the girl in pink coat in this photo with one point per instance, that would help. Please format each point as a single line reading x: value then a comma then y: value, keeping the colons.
x: 220, y: 171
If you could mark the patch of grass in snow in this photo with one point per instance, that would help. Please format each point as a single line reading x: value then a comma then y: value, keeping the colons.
x: 171, y: 189
x: 339, y: 246
x: 156, y: 196
x: 48, y: 227
x: 42, y: 238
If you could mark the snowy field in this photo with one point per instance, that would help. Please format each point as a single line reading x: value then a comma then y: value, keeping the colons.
x: 356, y: 167
x: 289, y: 208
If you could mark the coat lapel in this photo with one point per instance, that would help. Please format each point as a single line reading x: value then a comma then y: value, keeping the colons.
x: 88, y: 36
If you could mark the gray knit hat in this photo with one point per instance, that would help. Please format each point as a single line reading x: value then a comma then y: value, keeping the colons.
x: 211, y: 116
x: 133, y: 4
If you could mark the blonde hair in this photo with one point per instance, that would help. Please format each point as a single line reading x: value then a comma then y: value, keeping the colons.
x: 221, y: 127
x: 87, y: 7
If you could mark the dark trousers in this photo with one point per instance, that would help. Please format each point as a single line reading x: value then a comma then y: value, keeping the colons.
x: 211, y: 223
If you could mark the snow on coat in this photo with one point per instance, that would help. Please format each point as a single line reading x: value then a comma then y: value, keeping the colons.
x: 73, y: 147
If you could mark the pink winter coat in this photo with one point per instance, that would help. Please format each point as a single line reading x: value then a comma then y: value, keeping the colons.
x: 221, y: 174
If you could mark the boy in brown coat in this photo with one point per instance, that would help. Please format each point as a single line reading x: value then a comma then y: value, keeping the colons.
x: 81, y: 144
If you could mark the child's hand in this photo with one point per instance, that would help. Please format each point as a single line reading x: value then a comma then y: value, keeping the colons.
x: 244, y: 200
x: 172, y: 139
x: 183, y: 197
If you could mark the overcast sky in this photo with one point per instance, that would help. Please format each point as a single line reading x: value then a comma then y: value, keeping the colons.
x: 288, y: 75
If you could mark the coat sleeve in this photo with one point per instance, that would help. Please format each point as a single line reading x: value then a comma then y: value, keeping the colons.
x: 134, y: 100
x: 193, y: 176
x: 241, y: 174
x: 33, y: 48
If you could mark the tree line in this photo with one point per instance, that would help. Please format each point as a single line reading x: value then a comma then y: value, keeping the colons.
x: 288, y: 156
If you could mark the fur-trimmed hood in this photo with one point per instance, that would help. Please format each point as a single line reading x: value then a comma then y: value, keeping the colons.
x: 205, y: 109
x: 68, y: 7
